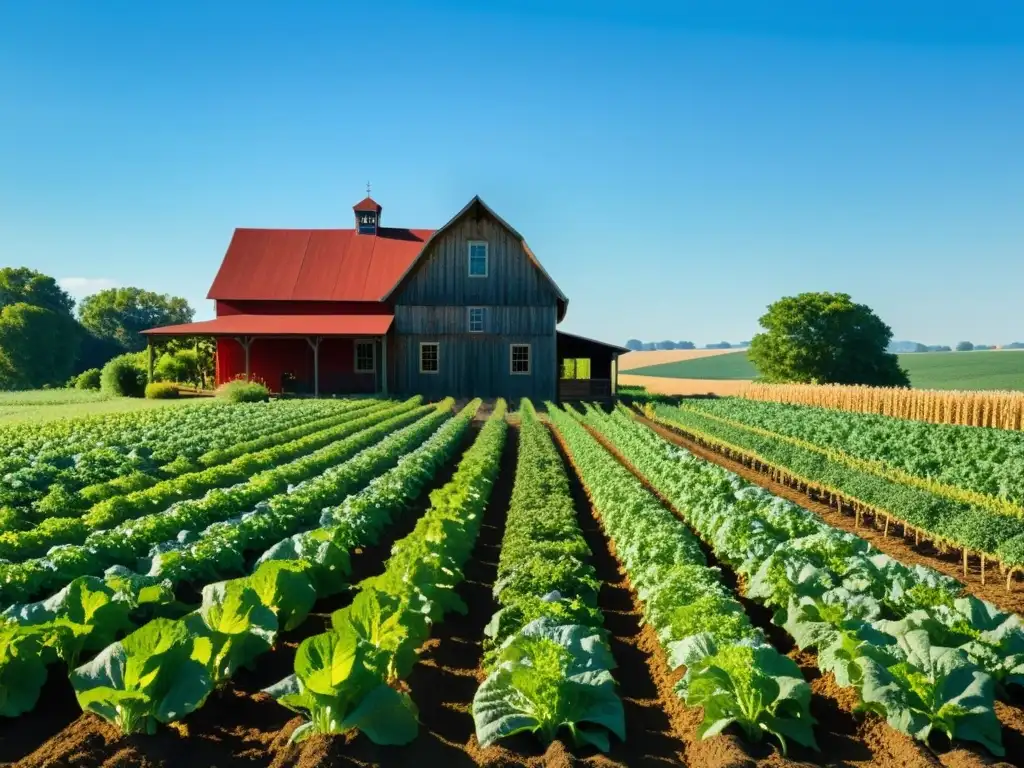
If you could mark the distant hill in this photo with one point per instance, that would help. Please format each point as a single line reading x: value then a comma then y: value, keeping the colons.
x: 936, y: 370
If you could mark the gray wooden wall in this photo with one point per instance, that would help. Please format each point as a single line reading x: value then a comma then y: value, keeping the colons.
x: 520, y: 308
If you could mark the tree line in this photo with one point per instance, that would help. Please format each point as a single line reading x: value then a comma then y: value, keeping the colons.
x: 48, y: 341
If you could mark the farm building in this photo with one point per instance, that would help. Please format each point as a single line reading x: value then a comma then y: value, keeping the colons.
x: 464, y: 310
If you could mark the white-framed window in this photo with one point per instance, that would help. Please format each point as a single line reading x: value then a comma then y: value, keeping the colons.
x: 478, y: 266
x: 519, y: 359
x: 430, y: 357
x: 476, y: 319
x: 366, y: 356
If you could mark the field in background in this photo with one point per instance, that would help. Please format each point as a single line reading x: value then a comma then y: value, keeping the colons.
x: 633, y: 360
x: 988, y: 370
x: 40, y: 405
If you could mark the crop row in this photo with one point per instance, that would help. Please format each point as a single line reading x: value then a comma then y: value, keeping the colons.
x: 65, y: 497
x: 549, y: 661
x: 972, y: 528
x: 346, y: 679
x: 88, y: 613
x: 129, y: 540
x: 978, y: 466
x: 916, y: 650
x: 157, y: 436
x: 16, y: 546
x: 731, y: 670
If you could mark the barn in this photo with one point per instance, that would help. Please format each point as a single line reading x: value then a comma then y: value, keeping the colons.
x: 465, y: 310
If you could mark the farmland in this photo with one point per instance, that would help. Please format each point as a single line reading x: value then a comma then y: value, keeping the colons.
x: 400, y: 582
x: 984, y: 370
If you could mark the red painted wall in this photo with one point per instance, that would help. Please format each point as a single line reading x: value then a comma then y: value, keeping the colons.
x: 269, y: 359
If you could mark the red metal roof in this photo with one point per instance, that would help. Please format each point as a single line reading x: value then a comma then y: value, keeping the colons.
x: 315, y: 264
x: 281, y: 325
x: 367, y: 204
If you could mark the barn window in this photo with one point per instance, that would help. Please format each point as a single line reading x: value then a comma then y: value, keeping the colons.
x: 366, y: 361
x: 520, y: 358
x: 429, y: 357
x: 477, y: 259
x: 476, y: 319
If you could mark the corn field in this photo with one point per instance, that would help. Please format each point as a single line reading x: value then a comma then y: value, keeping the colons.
x: 1004, y: 410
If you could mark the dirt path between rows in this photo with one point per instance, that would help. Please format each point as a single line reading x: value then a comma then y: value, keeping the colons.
x: 846, y: 740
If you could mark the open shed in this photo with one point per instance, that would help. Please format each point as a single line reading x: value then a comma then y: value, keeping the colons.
x: 587, y: 369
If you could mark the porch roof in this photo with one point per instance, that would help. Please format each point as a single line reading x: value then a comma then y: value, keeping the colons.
x: 281, y: 325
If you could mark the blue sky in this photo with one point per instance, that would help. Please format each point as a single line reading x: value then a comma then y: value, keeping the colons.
x: 676, y: 167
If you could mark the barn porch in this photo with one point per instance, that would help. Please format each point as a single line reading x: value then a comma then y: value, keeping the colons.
x: 295, y: 354
x: 587, y: 369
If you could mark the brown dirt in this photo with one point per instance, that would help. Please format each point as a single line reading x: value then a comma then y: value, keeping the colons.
x: 894, y: 545
x: 666, y: 385
x: 632, y: 360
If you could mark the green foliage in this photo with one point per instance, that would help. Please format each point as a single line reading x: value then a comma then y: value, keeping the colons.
x: 124, y: 376
x: 121, y: 314
x: 37, y: 346
x: 89, y: 379
x: 21, y: 285
x: 345, y: 678
x: 161, y: 390
x: 548, y: 677
x: 240, y: 391
x: 825, y: 338
x: 964, y: 346
x: 156, y: 674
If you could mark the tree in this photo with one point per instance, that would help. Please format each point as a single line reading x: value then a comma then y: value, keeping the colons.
x: 964, y: 346
x: 685, y: 345
x: 918, y: 347
x: 825, y: 338
x: 634, y: 344
x: 21, y: 285
x: 719, y: 345
x: 666, y: 345
x: 121, y: 314
x: 37, y: 346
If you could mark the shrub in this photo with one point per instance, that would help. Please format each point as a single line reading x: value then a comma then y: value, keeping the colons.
x: 241, y: 391
x: 123, y: 376
x: 161, y: 390
x: 89, y: 379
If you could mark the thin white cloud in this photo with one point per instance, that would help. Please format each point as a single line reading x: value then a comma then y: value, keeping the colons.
x: 80, y: 287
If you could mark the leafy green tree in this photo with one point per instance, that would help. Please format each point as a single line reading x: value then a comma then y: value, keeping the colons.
x: 121, y: 314
x: 21, y: 285
x: 964, y: 346
x: 37, y: 346
x: 825, y: 338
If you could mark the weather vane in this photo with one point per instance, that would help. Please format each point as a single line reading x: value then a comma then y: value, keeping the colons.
x: 367, y: 189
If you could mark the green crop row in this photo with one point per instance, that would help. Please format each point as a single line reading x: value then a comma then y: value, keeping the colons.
x: 124, y: 543
x: 19, y: 545
x: 88, y: 613
x: 958, y: 524
x: 916, y: 650
x: 731, y: 670
x: 549, y: 661
x: 346, y: 679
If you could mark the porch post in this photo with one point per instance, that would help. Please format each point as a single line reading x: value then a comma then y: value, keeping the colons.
x: 149, y: 360
x: 615, y: 373
x: 384, y: 365
x: 314, y: 342
x: 246, y: 342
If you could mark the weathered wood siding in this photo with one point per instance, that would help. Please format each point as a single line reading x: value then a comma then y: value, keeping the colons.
x: 520, y: 308
x: 477, y: 366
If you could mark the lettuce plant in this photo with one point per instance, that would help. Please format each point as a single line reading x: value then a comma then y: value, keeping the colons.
x: 159, y: 673
x: 23, y: 660
x: 752, y: 686
x: 549, y: 677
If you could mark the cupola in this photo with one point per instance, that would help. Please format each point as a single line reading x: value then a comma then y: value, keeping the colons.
x: 367, y: 214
